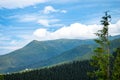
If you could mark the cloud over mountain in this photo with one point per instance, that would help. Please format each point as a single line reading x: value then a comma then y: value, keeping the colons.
x: 75, y: 31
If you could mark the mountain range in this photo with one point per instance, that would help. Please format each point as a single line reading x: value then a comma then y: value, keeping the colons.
x: 39, y: 54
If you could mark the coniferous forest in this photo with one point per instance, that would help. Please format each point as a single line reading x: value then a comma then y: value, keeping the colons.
x: 76, y: 70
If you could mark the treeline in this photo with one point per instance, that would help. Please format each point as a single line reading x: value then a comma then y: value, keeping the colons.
x: 76, y: 70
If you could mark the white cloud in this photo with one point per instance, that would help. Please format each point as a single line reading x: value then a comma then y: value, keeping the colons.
x: 115, y: 29
x: 43, y: 22
x: 63, y: 11
x: 50, y: 9
x: 27, y: 18
x: 47, y: 22
x: 64, y: 1
x: 33, y: 17
x: 41, y: 32
x: 75, y: 31
x: 12, y: 4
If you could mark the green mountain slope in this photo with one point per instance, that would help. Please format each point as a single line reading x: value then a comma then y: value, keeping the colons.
x: 81, y: 52
x: 37, y: 51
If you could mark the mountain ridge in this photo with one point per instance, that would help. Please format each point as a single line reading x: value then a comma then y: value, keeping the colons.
x: 47, y: 53
x: 37, y: 51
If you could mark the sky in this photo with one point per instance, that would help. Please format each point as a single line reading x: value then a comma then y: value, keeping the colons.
x: 22, y: 21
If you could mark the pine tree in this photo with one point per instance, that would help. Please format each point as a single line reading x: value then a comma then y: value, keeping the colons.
x: 116, y: 68
x: 101, y: 59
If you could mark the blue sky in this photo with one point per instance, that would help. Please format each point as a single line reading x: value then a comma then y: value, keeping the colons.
x: 22, y: 21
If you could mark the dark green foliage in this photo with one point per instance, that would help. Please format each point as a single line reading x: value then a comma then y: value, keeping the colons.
x: 116, y: 66
x: 76, y: 70
x: 1, y: 77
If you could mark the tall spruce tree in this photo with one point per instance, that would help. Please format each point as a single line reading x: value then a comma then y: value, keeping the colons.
x: 116, y: 68
x: 101, y: 59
